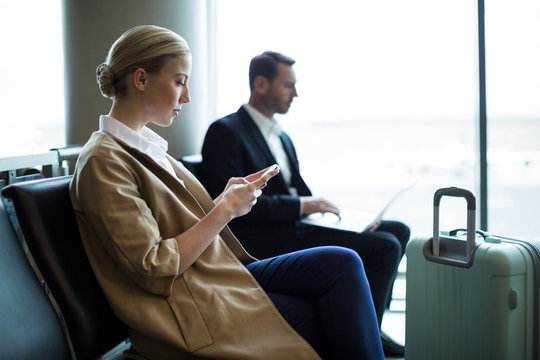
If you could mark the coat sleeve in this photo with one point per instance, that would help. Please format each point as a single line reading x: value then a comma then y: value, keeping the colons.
x: 225, y: 155
x: 122, y: 222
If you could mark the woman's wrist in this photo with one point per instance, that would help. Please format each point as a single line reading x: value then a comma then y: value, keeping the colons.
x: 223, y: 212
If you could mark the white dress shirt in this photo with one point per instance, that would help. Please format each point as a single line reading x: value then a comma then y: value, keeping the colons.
x: 271, y: 130
x: 147, y: 141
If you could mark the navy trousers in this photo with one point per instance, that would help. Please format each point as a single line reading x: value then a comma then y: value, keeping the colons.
x: 324, y: 295
x: 380, y: 251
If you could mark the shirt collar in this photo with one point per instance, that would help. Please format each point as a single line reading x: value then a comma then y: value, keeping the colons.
x: 146, y: 141
x: 266, y: 125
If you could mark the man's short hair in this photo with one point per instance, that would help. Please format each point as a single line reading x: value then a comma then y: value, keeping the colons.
x: 266, y: 65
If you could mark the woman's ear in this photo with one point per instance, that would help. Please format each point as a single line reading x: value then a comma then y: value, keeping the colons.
x: 140, y: 78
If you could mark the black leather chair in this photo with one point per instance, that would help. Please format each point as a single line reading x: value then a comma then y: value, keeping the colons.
x: 46, y: 218
x: 29, y: 327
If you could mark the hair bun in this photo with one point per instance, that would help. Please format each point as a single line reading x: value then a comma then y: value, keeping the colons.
x: 105, y: 80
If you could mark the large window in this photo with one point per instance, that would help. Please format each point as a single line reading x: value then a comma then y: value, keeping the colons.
x: 31, y: 95
x: 387, y: 95
x: 513, y: 104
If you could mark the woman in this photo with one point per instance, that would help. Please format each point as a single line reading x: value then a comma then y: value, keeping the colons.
x: 161, y: 249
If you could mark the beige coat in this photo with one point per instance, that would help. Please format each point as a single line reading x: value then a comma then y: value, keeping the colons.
x: 129, y: 209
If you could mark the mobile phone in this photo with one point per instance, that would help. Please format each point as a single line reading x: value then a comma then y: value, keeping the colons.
x: 270, y: 169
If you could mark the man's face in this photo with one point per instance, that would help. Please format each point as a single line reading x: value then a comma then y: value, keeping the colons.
x: 282, y: 90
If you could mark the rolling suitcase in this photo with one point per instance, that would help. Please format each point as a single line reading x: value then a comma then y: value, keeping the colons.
x: 473, y: 298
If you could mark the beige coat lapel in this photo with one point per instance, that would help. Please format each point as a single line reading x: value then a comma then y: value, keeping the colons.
x: 167, y: 178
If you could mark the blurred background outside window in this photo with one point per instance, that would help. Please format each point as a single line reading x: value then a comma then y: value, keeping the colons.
x: 32, y: 92
x: 388, y: 97
x: 513, y: 110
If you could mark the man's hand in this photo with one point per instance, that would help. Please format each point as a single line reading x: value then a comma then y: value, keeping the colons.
x: 311, y: 205
x: 374, y: 227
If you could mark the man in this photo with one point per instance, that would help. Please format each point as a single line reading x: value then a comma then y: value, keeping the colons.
x: 251, y: 139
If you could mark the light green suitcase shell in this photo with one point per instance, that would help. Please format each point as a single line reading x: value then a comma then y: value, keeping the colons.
x: 473, y: 299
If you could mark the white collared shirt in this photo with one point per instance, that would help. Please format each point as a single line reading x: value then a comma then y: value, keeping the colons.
x: 147, y: 141
x: 271, y: 130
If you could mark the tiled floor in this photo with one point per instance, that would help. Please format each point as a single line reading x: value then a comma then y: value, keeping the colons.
x: 394, y: 318
x: 394, y: 326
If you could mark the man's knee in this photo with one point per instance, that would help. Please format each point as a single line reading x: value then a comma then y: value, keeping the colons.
x: 392, y: 249
x: 400, y: 230
x: 404, y: 235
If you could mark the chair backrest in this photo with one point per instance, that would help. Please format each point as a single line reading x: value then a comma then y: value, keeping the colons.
x: 50, y: 231
x: 16, y: 168
x: 67, y: 157
x: 29, y: 327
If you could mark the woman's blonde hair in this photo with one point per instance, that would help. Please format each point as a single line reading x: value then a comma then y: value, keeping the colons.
x: 145, y: 46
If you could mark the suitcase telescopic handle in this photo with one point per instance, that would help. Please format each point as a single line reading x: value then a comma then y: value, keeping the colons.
x: 471, y: 218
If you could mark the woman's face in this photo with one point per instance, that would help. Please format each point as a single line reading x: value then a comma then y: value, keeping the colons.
x: 168, y: 90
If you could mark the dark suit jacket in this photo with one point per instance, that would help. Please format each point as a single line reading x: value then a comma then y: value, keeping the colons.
x: 234, y: 146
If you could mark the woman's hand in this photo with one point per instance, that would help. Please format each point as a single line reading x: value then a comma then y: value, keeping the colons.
x: 241, y: 194
x: 261, y: 177
x: 237, y: 199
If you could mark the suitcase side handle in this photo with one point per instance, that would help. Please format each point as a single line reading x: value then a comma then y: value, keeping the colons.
x: 471, y: 226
